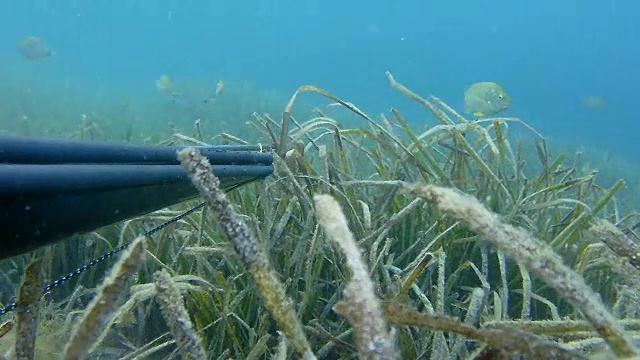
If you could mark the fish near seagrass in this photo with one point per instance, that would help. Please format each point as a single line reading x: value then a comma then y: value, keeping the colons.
x: 485, y: 99
x: 219, y: 87
x: 219, y: 90
x: 165, y: 85
x: 34, y: 49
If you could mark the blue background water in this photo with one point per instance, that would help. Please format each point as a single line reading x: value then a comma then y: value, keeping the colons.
x: 547, y: 54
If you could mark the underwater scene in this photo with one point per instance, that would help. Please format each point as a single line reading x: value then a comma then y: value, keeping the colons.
x: 319, y: 179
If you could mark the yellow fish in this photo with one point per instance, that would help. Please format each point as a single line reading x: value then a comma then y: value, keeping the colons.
x: 485, y: 99
x: 164, y: 84
x: 219, y: 87
x: 594, y: 101
x: 34, y: 49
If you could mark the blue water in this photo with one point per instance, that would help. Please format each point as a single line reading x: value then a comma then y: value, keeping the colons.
x: 547, y: 54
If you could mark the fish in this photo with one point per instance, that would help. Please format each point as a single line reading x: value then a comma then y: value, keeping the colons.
x: 219, y: 90
x: 219, y: 87
x: 594, y: 101
x: 34, y: 49
x: 164, y: 84
x: 186, y: 99
x: 485, y: 99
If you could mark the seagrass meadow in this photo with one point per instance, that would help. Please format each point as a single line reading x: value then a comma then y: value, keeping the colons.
x: 373, y: 241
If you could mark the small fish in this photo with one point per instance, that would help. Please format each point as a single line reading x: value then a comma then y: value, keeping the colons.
x: 34, y: 49
x: 485, y: 99
x: 219, y: 90
x: 187, y: 99
x: 219, y: 87
x: 164, y: 84
x: 594, y: 101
